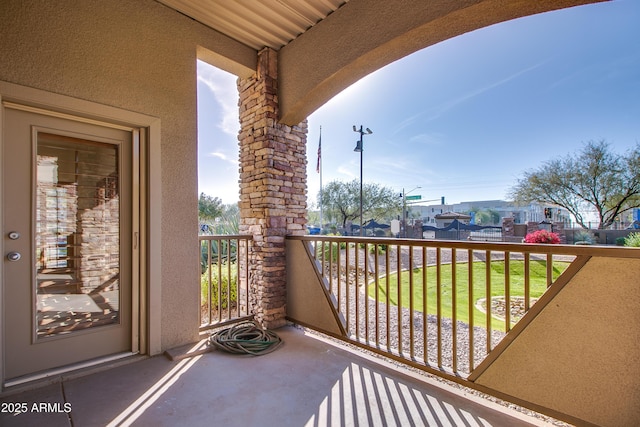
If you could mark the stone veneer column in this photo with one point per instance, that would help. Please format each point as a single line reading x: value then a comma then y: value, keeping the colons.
x: 273, y: 187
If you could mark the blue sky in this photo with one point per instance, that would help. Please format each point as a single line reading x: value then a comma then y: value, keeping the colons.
x: 465, y: 118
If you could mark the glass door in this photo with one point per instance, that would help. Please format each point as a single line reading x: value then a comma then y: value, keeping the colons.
x: 67, y: 272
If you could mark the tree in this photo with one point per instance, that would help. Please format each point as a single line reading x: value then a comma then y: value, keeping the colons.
x: 209, y: 208
x: 341, y: 202
x: 595, y: 178
x: 313, y: 214
x: 486, y: 216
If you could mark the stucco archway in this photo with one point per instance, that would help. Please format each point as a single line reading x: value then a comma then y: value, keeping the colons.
x: 362, y: 37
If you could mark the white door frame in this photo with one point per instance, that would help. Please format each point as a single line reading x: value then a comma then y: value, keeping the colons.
x: 146, y: 269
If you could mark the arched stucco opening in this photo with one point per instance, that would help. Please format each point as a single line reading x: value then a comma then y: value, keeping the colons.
x: 360, y: 38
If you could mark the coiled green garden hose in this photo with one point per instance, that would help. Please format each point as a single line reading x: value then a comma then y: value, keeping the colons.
x: 245, y: 338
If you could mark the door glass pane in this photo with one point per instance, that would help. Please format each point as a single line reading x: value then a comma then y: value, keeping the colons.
x: 77, y: 235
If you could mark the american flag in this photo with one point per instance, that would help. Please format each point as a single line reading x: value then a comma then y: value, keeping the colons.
x: 319, y: 152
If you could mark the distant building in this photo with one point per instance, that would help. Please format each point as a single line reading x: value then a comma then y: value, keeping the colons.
x: 445, y: 219
x: 534, y: 212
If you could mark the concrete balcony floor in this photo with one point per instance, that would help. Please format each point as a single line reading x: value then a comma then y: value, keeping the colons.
x: 308, y: 381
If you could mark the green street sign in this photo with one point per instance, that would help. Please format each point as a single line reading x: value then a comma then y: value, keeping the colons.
x: 414, y: 197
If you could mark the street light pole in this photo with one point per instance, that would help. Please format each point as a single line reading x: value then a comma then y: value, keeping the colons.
x: 359, y: 149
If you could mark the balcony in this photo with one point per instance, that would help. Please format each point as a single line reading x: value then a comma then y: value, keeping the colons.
x: 348, y: 289
x: 570, y: 352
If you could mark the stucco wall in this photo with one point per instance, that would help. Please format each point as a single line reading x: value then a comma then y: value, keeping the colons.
x: 588, y: 365
x: 306, y: 302
x: 137, y: 55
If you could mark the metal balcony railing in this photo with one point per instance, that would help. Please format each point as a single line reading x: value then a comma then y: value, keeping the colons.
x: 440, y: 305
x: 506, y: 319
x: 224, y: 294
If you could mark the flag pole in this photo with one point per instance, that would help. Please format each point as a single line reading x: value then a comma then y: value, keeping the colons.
x: 319, y: 170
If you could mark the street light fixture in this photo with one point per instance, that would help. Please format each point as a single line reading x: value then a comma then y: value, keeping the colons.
x: 359, y: 149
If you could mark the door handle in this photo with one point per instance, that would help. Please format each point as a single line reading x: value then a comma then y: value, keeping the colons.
x: 14, y: 256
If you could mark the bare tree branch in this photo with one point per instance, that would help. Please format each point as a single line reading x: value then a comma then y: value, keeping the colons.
x: 595, y: 178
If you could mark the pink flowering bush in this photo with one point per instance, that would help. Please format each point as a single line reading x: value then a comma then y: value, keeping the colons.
x: 542, y: 236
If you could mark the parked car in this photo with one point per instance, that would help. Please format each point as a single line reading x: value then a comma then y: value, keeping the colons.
x: 313, y: 230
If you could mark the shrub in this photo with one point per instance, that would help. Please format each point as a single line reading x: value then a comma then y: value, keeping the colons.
x: 542, y: 236
x: 381, y: 249
x: 583, y: 237
x: 620, y: 241
x: 218, y: 254
x: 632, y: 240
x: 330, y: 249
x: 229, y: 292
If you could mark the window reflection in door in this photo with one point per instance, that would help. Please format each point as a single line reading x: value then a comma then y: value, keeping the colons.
x: 77, y: 235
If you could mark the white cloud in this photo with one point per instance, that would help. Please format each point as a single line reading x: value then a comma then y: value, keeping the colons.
x: 455, y: 102
x: 224, y: 157
x: 223, y: 87
x: 349, y: 171
x: 427, y: 138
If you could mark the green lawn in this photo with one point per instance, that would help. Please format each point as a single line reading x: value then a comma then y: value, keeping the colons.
x: 537, y: 277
